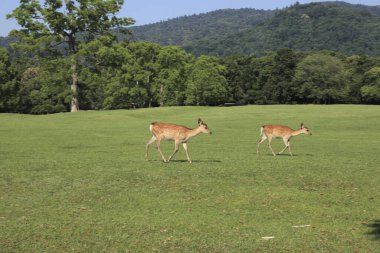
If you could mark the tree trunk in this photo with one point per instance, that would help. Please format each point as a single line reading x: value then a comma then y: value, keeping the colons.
x: 74, y: 88
x: 161, y: 95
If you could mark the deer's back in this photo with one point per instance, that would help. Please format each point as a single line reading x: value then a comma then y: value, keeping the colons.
x: 277, y: 130
x: 168, y: 130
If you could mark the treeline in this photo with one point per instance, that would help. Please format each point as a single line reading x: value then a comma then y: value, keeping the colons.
x: 144, y: 74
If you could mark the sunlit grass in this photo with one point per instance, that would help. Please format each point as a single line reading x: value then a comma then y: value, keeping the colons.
x: 79, y: 182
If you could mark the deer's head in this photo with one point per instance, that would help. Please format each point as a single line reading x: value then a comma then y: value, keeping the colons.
x: 305, y: 130
x: 203, y: 127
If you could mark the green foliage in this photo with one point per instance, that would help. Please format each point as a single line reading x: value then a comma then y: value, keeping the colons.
x: 144, y: 74
x: 371, y: 90
x: 8, y: 84
x: 206, y: 83
x: 45, y: 27
x: 44, y: 88
x: 79, y: 182
x: 170, y: 83
x: 322, y: 79
x: 63, y: 20
x: 187, y: 30
x: 279, y: 86
x: 131, y: 85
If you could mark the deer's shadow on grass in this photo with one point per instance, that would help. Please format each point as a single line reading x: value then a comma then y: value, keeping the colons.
x: 186, y: 161
x: 375, y: 229
x: 196, y: 161
x: 285, y: 155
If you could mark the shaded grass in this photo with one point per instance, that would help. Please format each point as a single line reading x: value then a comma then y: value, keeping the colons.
x: 375, y: 229
x: 79, y: 182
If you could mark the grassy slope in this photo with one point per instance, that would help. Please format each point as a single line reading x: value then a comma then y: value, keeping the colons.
x: 79, y: 182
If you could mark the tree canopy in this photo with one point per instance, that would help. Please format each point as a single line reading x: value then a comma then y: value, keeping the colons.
x: 72, y: 23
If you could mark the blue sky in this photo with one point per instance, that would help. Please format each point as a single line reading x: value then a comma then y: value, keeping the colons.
x: 151, y: 11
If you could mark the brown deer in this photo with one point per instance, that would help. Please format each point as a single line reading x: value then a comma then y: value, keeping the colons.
x: 177, y: 133
x: 277, y: 131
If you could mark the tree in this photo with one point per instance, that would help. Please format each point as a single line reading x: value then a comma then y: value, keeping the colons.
x: 101, y: 79
x: 8, y: 84
x: 371, y: 90
x: 261, y: 69
x: 171, y: 78
x: 206, y: 83
x: 44, y: 89
x: 69, y: 22
x: 279, y: 87
x: 321, y: 78
x: 130, y: 69
x: 356, y: 66
x: 239, y: 76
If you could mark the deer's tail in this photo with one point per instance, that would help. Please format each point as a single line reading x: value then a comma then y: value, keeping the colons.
x: 151, y: 126
x: 261, y: 130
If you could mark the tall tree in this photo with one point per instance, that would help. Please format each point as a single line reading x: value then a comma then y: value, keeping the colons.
x: 69, y: 22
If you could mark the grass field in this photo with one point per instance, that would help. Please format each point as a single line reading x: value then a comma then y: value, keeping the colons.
x: 78, y: 182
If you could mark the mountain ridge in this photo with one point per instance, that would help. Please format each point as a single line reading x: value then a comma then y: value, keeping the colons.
x: 339, y: 26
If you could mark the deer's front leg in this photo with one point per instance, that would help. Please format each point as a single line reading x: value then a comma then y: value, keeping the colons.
x: 290, y: 151
x: 187, y: 154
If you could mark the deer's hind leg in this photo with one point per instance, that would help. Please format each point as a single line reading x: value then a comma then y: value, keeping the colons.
x: 287, y: 146
x: 176, y: 145
x: 270, y: 145
x: 286, y: 142
x: 263, y: 138
x: 159, y: 150
x: 153, y: 139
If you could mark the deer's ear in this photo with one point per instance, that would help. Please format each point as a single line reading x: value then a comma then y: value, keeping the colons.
x: 199, y: 121
x: 302, y: 125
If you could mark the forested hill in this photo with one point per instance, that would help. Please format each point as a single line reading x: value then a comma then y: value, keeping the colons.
x: 189, y: 29
x: 337, y: 26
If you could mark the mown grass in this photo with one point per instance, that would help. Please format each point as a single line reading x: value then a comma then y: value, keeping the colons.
x: 78, y: 182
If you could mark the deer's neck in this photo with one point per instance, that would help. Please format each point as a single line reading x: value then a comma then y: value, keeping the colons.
x: 193, y: 132
x: 297, y: 132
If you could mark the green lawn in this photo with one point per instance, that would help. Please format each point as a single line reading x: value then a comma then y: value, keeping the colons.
x: 78, y: 182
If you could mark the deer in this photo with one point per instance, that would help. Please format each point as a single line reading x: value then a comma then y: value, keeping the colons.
x: 177, y: 133
x: 277, y: 131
